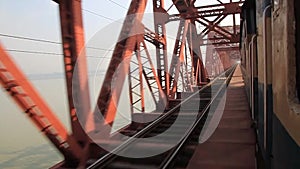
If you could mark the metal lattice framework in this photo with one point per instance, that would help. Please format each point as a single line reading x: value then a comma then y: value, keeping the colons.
x: 131, y: 59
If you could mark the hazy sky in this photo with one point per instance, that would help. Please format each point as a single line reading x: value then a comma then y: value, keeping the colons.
x: 40, y: 19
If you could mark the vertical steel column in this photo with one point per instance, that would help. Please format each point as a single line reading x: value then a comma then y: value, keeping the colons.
x: 138, y: 55
x: 130, y: 88
x: 136, y: 90
x: 234, y: 22
x: 161, y: 49
x: 194, y: 44
x: 74, y: 57
x: 196, y: 54
x: 178, y: 56
x: 161, y: 102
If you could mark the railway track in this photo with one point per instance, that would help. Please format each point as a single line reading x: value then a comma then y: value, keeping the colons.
x: 168, y: 141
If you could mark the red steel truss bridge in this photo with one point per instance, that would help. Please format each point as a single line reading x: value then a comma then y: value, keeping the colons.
x: 204, y: 55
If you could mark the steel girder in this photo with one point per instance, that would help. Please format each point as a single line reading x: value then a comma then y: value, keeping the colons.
x: 27, y: 98
x: 203, y: 13
x: 144, y: 68
x: 72, y: 34
x: 178, y: 56
x: 199, y: 73
x: 161, y: 49
x: 131, y: 33
x: 186, y: 8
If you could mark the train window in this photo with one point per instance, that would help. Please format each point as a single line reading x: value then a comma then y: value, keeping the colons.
x: 297, y: 19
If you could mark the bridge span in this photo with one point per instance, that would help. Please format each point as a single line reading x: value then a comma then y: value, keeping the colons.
x: 188, y: 86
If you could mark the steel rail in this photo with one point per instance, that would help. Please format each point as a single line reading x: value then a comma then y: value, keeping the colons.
x: 166, y: 164
x: 111, y: 155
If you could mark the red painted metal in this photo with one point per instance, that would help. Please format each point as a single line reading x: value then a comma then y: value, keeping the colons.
x: 76, y: 79
x: 178, y: 57
x: 27, y: 98
x: 131, y: 32
x: 147, y: 74
x: 162, y: 82
x: 220, y: 53
x: 161, y: 49
x: 152, y: 80
x: 142, y: 93
x: 220, y: 12
x: 186, y: 9
x: 200, y: 73
x: 154, y: 38
x: 218, y: 9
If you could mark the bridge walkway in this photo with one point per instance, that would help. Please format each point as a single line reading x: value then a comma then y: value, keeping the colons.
x: 232, y: 146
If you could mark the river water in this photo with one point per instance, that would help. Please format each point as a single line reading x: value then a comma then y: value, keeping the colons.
x: 22, y: 146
